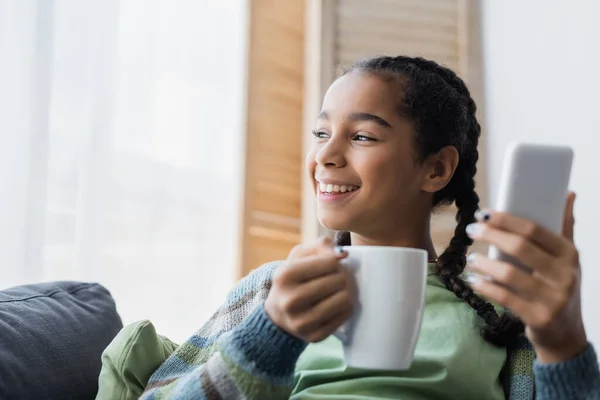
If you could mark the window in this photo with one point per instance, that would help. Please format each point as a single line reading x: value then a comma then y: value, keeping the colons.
x: 138, y: 149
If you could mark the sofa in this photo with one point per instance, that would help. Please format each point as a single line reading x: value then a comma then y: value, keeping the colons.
x: 52, y: 336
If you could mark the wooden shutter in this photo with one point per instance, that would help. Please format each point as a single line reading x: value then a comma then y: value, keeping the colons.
x: 446, y: 31
x: 430, y: 28
x: 271, y: 211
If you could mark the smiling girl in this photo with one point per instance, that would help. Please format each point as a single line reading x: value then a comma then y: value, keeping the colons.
x: 397, y: 138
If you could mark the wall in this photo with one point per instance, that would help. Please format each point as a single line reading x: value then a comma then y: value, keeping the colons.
x: 271, y: 206
x: 542, y: 63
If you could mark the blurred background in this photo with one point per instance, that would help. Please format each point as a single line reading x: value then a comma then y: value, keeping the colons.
x: 157, y: 146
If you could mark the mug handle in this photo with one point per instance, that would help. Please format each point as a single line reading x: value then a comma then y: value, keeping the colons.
x: 344, y: 332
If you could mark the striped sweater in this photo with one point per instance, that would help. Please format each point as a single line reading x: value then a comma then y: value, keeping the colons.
x: 240, y: 354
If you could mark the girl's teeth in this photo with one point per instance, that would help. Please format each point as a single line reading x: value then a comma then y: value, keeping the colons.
x: 328, y: 188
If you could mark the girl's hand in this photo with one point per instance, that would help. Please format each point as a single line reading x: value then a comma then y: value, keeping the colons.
x: 312, y: 293
x: 546, y: 298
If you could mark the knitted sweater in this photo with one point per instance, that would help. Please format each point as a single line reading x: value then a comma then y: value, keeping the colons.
x: 240, y: 354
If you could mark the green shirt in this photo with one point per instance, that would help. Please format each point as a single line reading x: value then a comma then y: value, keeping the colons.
x: 451, y: 361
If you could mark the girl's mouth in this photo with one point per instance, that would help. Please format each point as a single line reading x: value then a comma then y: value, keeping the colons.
x: 334, y: 192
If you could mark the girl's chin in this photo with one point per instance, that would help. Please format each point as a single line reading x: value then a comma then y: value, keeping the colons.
x: 334, y: 222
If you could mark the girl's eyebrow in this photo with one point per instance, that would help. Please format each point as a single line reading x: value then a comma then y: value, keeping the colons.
x: 360, y: 116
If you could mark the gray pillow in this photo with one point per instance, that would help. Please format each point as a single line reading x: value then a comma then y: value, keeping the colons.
x: 51, y: 339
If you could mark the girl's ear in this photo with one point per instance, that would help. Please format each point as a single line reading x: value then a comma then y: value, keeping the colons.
x: 439, y: 169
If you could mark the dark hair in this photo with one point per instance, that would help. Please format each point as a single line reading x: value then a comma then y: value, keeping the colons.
x: 439, y: 104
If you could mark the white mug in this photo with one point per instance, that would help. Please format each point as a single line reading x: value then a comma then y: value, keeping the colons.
x: 383, y: 331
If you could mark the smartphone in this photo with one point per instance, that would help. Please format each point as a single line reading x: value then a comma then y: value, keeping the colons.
x: 534, y: 185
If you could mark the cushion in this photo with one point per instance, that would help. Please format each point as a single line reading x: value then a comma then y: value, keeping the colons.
x: 130, y: 359
x: 52, y: 338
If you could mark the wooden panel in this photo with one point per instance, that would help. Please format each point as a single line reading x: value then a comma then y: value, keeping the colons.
x: 271, y: 223
x: 470, y: 67
x: 427, y: 28
x: 319, y: 73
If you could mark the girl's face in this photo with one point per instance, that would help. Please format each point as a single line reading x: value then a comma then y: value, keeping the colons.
x: 365, y: 170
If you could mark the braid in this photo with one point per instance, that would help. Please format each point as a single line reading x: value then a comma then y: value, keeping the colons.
x: 441, y: 106
x: 342, y: 238
x: 501, y: 330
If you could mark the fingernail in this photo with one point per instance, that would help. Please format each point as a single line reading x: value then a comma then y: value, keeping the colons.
x: 339, y: 250
x: 471, y: 277
x: 473, y: 229
x: 482, y: 215
x: 471, y: 258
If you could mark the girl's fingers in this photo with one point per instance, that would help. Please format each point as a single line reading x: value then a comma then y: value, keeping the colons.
x: 312, y: 292
x: 503, y: 296
x: 545, y: 239
x: 329, y: 327
x: 514, y: 245
x: 515, y: 279
x: 311, y: 267
x: 537, y: 314
x: 310, y: 321
x: 569, y: 218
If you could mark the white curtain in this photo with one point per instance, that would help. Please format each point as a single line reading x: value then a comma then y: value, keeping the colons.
x: 120, y: 150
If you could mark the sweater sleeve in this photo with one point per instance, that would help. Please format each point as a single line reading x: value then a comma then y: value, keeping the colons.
x: 255, y: 360
x: 574, y: 379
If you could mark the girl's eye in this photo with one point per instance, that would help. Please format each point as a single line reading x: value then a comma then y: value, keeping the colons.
x: 363, y: 138
x: 357, y: 137
x: 320, y: 134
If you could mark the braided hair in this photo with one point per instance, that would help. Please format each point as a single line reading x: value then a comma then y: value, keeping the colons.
x: 440, y: 106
